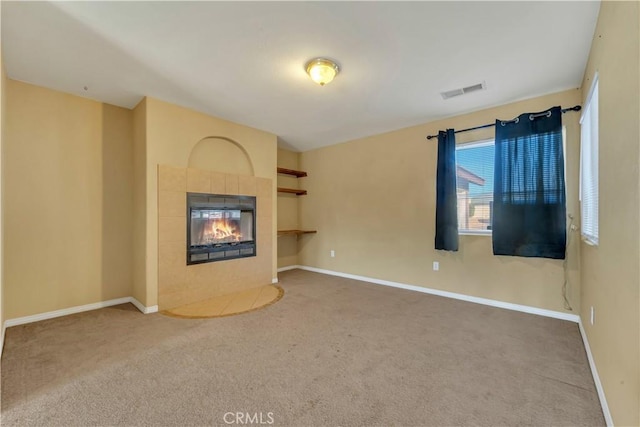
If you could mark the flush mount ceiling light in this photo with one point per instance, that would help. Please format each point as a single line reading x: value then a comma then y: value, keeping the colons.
x: 322, y: 70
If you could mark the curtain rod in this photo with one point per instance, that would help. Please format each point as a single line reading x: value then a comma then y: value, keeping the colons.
x: 564, y: 110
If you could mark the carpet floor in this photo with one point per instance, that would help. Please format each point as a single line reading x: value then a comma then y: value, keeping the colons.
x: 332, y: 352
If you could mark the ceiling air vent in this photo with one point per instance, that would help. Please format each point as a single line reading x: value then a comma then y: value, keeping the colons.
x: 463, y: 91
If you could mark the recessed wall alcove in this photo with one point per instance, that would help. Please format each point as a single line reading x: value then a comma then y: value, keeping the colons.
x: 220, y: 154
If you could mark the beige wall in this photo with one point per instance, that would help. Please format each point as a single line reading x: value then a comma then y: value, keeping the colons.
x: 140, y: 201
x: 3, y: 84
x: 372, y: 200
x: 68, y: 201
x: 172, y: 132
x: 288, y: 209
x: 610, y: 276
x: 95, y: 168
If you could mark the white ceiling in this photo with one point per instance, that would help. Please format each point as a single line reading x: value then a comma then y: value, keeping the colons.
x: 244, y: 61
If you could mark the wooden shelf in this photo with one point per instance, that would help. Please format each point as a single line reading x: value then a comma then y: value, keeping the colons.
x: 292, y: 191
x: 297, y: 192
x: 297, y: 174
x: 297, y: 232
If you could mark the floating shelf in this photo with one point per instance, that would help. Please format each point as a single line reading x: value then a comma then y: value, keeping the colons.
x: 297, y: 232
x: 295, y: 191
x: 297, y: 174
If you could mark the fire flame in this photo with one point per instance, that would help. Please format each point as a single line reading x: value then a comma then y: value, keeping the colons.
x: 222, y: 230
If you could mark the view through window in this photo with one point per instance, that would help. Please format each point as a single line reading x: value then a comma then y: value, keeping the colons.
x: 475, y: 186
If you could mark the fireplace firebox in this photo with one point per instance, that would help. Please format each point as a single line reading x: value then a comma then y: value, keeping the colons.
x: 220, y: 227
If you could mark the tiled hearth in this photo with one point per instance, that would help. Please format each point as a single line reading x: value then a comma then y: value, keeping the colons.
x: 179, y: 283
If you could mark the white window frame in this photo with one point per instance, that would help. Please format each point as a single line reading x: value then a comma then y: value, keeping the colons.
x: 589, y: 166
x: 464, y: 146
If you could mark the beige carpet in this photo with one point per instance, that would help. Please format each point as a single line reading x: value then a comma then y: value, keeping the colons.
x: 332, y: 352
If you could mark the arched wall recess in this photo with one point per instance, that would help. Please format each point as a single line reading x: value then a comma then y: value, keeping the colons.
x: 220, y: 154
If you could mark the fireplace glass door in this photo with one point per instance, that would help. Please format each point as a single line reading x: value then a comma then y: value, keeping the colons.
x: 220, y: 227
x: 214, y: 226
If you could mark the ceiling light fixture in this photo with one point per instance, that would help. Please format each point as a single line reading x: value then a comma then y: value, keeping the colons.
x: 322, y: 70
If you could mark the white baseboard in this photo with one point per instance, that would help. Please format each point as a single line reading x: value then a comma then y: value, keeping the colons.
x: 4, y: 328
x: 65, y: 312
x: 274, y: 280
x: 485, y: 301
x: 78, y: 309
x: 144, y: 309
x: 596, y: 377
x: 287, y: 268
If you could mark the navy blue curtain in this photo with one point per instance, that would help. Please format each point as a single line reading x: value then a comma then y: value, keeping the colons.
x: 529, y: 204
x: 446, y: 193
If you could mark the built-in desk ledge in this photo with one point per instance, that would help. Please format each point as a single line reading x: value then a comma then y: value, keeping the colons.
x: 295, y: 191
x: 297, y: 174
x: 296, y: 232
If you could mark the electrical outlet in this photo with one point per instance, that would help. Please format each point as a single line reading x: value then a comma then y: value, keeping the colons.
x: 333, y: 253
x: 436, y: 266
x: 593, y: 315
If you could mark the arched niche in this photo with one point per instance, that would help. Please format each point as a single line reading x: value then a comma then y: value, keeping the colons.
x: 220, y: 154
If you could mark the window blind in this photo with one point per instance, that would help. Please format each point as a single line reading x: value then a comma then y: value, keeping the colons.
x: 589, y: 167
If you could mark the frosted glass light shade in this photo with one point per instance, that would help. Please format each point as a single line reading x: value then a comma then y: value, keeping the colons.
x: 322, y: 71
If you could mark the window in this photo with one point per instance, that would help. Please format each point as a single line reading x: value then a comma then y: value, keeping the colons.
x: 589, y: 167
x: 474, y: 174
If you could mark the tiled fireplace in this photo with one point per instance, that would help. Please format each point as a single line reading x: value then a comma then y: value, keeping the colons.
x: 214, y: 234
